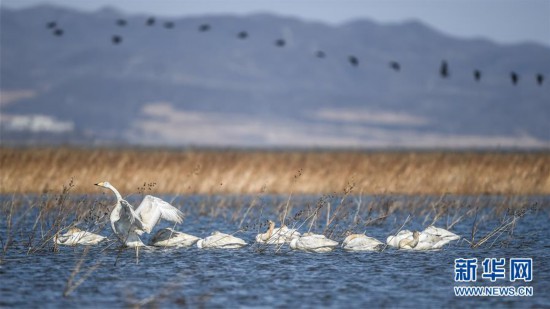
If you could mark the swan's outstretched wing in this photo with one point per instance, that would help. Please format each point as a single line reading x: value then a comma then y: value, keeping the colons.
x: 125, y: 221
x: 152, y: 209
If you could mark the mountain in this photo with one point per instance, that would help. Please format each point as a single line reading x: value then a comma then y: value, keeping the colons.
x: 181, y: 86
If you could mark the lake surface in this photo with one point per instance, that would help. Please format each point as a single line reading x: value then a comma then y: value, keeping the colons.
x: 258, y: 276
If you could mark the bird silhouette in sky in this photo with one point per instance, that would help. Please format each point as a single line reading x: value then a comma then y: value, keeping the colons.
x: 353, y: 60
x: 540, y: 79
x: 242, y: 35
x: 477, y: 75
x: 514, y: 77
x: 204, y: 27
x: 395, y: 66
x: 444, y: 69
x: 116, y: 39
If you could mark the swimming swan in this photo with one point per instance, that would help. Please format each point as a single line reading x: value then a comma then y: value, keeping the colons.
x: 430, y: 239
x: 313, y: 243
x: 393, y: 240
x: 75, y: 236
x: 222, y: 241
x: 435, y: 238
x: 169, y: 237
x: 277, y: 236
x: 361, y: 242
x: 128, y: 223
x: 410, y: 242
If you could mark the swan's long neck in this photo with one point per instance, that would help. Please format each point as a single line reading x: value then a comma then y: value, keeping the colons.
x: 269, y: 233
x: 416, y: 238
x: 115, y: 191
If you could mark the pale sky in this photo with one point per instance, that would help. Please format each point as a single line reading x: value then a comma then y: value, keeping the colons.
x: 503, y: 21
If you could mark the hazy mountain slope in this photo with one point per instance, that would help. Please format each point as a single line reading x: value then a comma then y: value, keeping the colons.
x: 181, y: 86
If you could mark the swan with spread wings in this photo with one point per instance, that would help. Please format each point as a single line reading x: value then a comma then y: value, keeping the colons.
x: 128, y: 223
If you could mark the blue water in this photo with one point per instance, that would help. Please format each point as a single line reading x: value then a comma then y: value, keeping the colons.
x: 258, y: 277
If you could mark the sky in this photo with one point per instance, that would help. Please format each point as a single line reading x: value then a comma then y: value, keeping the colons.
x: 502, y: 21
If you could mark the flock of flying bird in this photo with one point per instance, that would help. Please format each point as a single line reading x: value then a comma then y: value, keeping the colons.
x: 129, y: 224
x: 353, y: 60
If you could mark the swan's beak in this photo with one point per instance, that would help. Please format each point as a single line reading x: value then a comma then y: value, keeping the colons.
x: 99, y: 184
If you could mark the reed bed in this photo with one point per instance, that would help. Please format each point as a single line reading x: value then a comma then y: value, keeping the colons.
x: 39, y: 170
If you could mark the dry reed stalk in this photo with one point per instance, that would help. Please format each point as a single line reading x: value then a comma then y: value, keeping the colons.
x: 36, y: 170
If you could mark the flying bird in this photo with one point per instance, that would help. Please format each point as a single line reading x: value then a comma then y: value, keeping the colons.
x: 242, y: 35
x: 116, y: 39
x: 444, y: 69
x: 169, y: 25
x: 540, y: 79
x: 58, y: 32
x: 128, y: 224
x: 514, y: 77
x: 204, y: 27
x: 320, y: 54
x: 395, y: 66
x: 121, y: 22
x: 280, y: 42
x: 477, y: 75
x: 150, y: 21
x: 51, y: 25
x: 353, y: 61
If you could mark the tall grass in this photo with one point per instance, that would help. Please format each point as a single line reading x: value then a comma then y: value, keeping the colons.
x: 38, y: 170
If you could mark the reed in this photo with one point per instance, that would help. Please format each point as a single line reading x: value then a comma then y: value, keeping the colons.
x: 39, y: 170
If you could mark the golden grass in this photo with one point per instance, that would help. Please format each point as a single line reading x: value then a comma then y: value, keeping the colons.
x: 35, y: 170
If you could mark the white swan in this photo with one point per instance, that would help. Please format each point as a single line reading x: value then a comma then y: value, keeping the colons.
x: 313, y: 243
x: 169, y: 237
x: 393, y: 240
x: 430, y: 239
x: 435, y: 238
x: 128, y: 223
x: 75, y: 236
x: 443, y: 233
x: 277, y: 236
x: 410, y: 242
x: 361, y: 242
x: 221, y: 240
x: 289, y: 234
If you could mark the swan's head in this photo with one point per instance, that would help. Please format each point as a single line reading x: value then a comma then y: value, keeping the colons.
x: 104, y: 184
x: 293, y: 243
x: 73, y: 230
